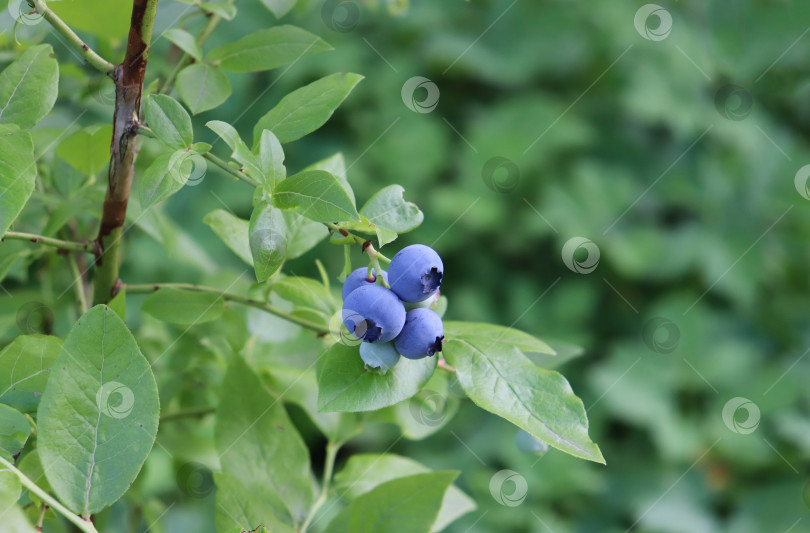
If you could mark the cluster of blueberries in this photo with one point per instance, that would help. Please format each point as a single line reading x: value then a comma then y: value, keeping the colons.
x: 398, y: 320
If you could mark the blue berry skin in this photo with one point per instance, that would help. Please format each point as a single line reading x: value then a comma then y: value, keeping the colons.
x: 528, y: 443
x: 415, y: 273
x: 358, y: 278
x: 380, y: 355
x: 373, y: 313
x: 422, y: 335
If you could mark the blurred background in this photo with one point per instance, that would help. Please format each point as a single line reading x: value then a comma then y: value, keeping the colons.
x: 619, y: 176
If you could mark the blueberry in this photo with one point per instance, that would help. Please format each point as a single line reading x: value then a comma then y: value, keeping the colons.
x: 380, y: 355
x: 528, y: 443
x: 422, y: 335
x: 415, y: 273
x: 358, y: 278
x: 373, y: 313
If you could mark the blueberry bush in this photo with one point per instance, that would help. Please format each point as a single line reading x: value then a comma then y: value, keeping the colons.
x: 233, y: 380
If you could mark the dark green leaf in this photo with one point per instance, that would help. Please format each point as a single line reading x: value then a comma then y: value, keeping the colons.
x: 317, y: 195
x: 308, y: 108
x: 336, y: 166
x: 268, y: 240
x: 238, y: 507
x: 169, y: 121
x: 25, y: 365
x: 14, y: 430
x: 184, y: 307
x: 233, y: 231
x: 302, y: 234
x: 28, y: 87
x: 267, y: 49
x: 17, y: 173
x: 99, y: 415
x: 202, y: 87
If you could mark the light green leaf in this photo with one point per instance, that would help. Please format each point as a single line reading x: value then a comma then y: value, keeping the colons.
x: 489, y: 336
x: 271, y: 160
x: 18, y: 173
x: 169, y: 121
x: 202, y: 87
x: 85, y: 15
x: 87, y: 150
x: 391, y: 214
x: 305, y: 292
x: 267, y: 49
x: 99, y: 415
x: 317, y: 195
x: 25, y: 365
x: 302, y: 234
x: 336, y: 166
x: 308, y: 108
x: 185, y: 42
x: 233, y: 231
x: 268, y: 240
x: 238, y: 507
x: 279, y: 7
x: 166, y: 175
x: 28, y: 87
x: 184, y: 307
x: 14, y: 430
x: 364, y: 472
x: 225, y: 10
x: 345, y: 385
x: 499, y: 378
x: 240, y: 151
x: 403, y: 505
x: 258, y: 443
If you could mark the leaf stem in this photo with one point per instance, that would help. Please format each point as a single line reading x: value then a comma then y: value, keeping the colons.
x: 373, y: 256
x: 72, y: 246
x: 230, y: 297
x: 355, y: 239
x: 332, y: 449
x: 84, y: 525
x: 78, y: 284
x: 93, y: 58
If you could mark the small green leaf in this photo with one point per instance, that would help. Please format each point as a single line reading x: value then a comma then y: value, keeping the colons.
x: 28, y: 87
x: 336, y: 166
x: 279, y: 7
x: 268, y: 240
x: 169, y: 121
x: 271, y: 160
x: 345, y: 385
x: 233, y: 231
x: 202, y: 87
x: 14, y: 430
x: 185, y: 42
x: 240, y: 151
x: 18, y: 173
x: 167, y: 174
x: 302, y: 234
x: 99, y: 415
x: 499, y: 378
x: 403, y: 505
x: 238, y: 507
x: 225, y: 10
x: 25, y: 365
x: 308, y: 108
x: 258, y: 443
x: 305, y: 292
x: 87, y: 150
x: 267, y: 49
x: 183, y: 307
x: 391, y: 214
x: 317, y: 195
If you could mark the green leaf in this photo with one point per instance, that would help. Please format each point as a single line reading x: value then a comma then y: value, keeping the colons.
x: 305, y: 292
x: 302, y: 234
x: 258, y: 443
x: 240, y: 151
x: 403, y: 505
x: 271, y: 160
x: 279, y: 7
x: 166, y: 175
x: 25, y: 365
x: 308, y: 108
x: 14, y: 430
x: 391, y: 214
x: 119, y: 303
x: 18, y: 173
x: 233, y: 231
x: 499, y: 378
x: 225, y: 10
x: 87, y: 14
x: 336, y: 166
x: 267, y: 49
x: 99, y: 415
x: 184, y: 307
x: 238, y: 507
x: 28, y: 87
x: 185, y: 42
x: 317, y: 195
x: 87, y: 150
x: 488, y: 336
x: 364, y: 472
x: 169, y: 121
x: 268, y: 240
x: 345, y: 385
x: 202, y: 87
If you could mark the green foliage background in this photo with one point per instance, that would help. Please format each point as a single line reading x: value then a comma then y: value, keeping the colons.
x: 712, y: 238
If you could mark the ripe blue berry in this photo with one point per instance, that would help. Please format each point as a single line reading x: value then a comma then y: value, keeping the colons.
x: 358, y: 278
x: 373, y: 313
x: 528, y: 443
x: 422, y: 335
x: 380, y: 355
x: 415, y: 272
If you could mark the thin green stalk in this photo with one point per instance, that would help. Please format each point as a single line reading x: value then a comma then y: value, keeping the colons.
x: 230, y: 297
x: 238, y: 174
x: 332, y: 449
x: 373, y: 256
x: 351, y: 238
x: 78, y: 284
x: 49, y: 241
x: 94, y: 59
x: 84, y: 525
